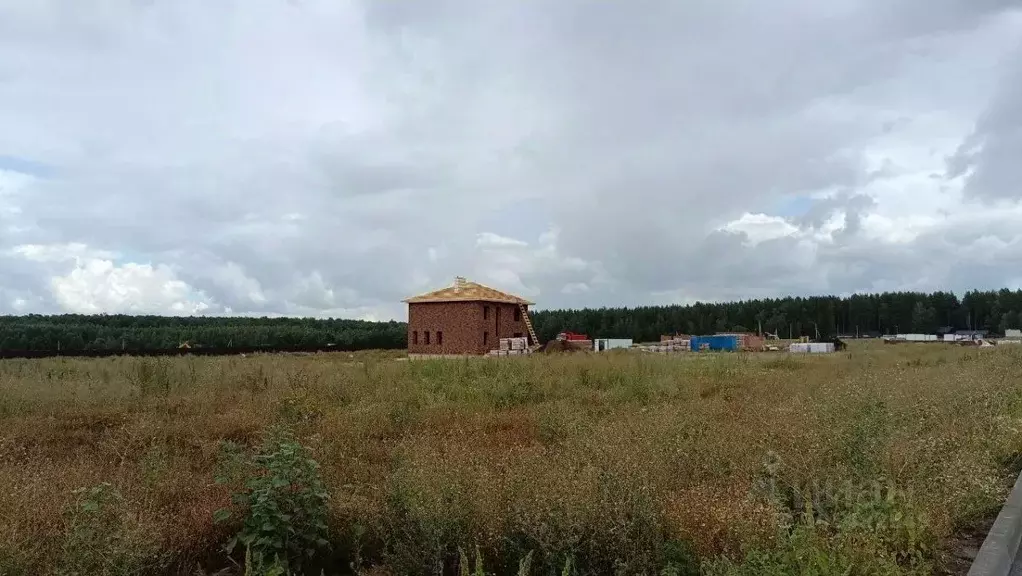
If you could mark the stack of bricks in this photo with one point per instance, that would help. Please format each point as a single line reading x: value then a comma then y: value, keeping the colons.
x: 669, y: 344
x: 753, y: 343
x: 518, y: 346
x: 748, y: 341
x: 511, y: 347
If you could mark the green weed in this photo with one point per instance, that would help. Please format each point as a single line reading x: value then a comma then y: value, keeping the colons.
x: 284, y: 503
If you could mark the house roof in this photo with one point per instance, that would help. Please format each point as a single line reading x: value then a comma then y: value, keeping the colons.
x: 464, y: 291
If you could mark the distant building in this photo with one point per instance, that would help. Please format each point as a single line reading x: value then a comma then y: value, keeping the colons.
x: 601, y: 344
x: 970, y: 334
x: 464, y: 318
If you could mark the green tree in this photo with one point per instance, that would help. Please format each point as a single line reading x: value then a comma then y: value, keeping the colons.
x: 923, y: 318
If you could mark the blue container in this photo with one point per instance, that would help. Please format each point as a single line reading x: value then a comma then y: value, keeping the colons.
x: 717, y: 343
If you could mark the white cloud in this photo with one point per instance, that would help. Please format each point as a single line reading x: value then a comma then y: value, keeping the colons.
x: 164, y: 156
x: 760, y: 227
x: 84, y: 280
x: 98, y: 285
x: 60, y: 252
x: 491, y: 240
x: 575, y: 288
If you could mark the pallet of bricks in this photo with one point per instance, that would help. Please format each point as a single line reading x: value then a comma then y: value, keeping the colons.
x: 747, y: 341
x: 512, y: 347
x: 678, y: 343
x: 751, y: 342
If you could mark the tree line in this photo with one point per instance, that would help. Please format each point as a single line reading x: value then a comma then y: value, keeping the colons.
x: 73, y: 332
x: 866, y: 314
x: 825, y: 316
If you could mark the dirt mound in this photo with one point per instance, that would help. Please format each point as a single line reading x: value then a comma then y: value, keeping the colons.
x: 557, y: 346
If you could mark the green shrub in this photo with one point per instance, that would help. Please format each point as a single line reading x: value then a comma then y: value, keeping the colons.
x: 284, y: 502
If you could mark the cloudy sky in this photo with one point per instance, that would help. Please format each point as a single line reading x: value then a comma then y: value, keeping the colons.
x: 329, y: 158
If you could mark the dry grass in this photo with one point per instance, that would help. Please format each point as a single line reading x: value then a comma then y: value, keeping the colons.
x: 622, y: 460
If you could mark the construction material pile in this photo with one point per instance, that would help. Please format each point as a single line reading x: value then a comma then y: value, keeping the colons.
x: 812, y: 347
x: 512, y: 347
x: 678, y: 343
x: 747, y: 341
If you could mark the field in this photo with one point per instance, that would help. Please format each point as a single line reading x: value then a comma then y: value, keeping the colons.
x: 879, y: 460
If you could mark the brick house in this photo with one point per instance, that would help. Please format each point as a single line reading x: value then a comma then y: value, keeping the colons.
x: 464, y: 318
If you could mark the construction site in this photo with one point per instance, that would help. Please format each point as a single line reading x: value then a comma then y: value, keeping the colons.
x: 471, y: 319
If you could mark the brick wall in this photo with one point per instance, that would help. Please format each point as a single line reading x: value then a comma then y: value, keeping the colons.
x: 463, y: 325
x: 502, y: 322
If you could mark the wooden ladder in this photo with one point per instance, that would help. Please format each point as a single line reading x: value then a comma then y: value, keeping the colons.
x: 528, y: 324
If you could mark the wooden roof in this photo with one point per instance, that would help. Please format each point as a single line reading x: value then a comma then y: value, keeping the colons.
x: 464, y: 291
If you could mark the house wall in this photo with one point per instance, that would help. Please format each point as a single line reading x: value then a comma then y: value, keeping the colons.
x: 460, y: 323
x: 463, y: 325
x: 503, y: 322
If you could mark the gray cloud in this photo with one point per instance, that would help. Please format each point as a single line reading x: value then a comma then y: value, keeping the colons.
x: 991, y: 153
x: 369, y: 151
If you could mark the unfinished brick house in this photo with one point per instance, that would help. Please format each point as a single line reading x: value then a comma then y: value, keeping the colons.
x: 465, y: 318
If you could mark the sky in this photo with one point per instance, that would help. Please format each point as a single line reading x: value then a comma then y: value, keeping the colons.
x: 330, y: 158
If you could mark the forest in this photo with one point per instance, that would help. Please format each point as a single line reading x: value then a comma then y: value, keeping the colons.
x: 823, y: 316
x: 71, y: 332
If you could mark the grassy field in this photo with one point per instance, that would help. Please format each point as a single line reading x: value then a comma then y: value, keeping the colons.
x: 865, y: 462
